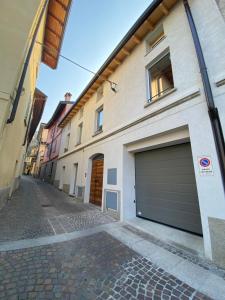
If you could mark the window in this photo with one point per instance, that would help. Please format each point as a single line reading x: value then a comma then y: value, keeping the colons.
x: 48, y: 150
x: 79, y: 134
x: 99, y: 119
x: 100, y: 92
x: 67, y: 142
x: 54, y: 146
x: 155, y: 38
x: 160, y: 77
x: 81, y: 113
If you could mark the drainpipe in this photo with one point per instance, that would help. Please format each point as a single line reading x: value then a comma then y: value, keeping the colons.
x: 26, y: 63
x: 28, y: 127
x: 212, y: 109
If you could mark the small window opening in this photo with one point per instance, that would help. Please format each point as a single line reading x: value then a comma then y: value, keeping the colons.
x: 161, y: 78
x: 99, y: 92
x: 155, y: 38
x: 99, y: 119
x: 79, y: 135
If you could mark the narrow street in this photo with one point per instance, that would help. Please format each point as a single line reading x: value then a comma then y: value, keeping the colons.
x: 53, y: 247
x: 38, y: 209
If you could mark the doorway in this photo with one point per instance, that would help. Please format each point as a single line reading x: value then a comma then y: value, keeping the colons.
x: 97, y: 180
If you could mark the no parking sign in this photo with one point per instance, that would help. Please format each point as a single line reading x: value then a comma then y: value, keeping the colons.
x: 205, y: 165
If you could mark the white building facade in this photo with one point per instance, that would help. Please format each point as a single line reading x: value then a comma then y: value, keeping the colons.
x: 147, y: 150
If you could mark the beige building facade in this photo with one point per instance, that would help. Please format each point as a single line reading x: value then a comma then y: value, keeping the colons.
x: 141, y: 142
x: 24, y: 27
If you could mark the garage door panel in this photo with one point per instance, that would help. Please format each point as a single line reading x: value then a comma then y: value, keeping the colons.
x: 188, y: 207
x: 170, y: 188
x: 180, y: 164
x: 173, y: 179
x: 182, y: 221
x: 166, y: 188
x: 180, y: 198
x: 162, y: 154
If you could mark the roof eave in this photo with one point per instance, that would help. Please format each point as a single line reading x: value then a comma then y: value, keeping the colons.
x: 54, y: 51
x: 118, y: 48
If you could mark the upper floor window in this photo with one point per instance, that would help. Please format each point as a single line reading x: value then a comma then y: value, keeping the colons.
x: 67, y: 142
x: 100, y: 92
x: 81, y: 112
x: 54, y: 146
x: 99, y: 119
x: 48, y: 150
x: 79, y: 133
x: 160, y: 77
x: 69, y: 126
x: 154, y: 38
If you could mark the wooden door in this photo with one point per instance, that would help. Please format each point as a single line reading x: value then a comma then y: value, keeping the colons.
x: 96, y: 182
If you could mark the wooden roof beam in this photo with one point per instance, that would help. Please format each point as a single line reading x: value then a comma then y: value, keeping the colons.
x: 164, y: 9
x: 149, y: 24
x: 136, y: 39
x: 48, y: 53
x: 117, y: 61
x: 103, y: 78
x: 56, y: 18
x: 53, y: 32
x: 110, y: 70
x: 51, y: 45
x: 92, y: 90
x: 96, y: 84
x: 62, y: 4
x: 125, y: 51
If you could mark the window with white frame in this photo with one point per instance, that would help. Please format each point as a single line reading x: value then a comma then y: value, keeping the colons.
x: 79, y: 133
x: 160, y: 77
x: 67, y: 142
x: 99, y: 119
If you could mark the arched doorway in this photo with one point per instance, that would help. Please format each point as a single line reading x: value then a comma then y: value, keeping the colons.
x: 97, y: 179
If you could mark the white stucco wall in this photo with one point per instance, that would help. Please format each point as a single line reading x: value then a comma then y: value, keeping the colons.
x: 187, y: 121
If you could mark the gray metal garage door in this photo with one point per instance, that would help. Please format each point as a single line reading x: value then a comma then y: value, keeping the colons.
x: 166, y: 188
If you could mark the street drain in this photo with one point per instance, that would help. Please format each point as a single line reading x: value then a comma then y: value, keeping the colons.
x: 46, y: 205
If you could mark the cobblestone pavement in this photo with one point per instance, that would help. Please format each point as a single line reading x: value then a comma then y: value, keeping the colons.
x: 38, y: 209
x: 185, y: 254
x: 93, y: 267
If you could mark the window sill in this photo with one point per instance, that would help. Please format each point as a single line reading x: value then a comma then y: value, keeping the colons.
x: 220, y: 82
x: 97, y: 132
x: 78, y: 144
x: 160, y: 97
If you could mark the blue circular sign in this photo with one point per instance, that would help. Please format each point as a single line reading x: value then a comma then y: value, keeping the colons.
x: 204, y: 162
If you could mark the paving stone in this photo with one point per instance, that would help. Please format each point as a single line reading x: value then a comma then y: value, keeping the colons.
x: 29, y: 219
x: 97, y: 267
x: 92, y: 267
x: 185, y: 254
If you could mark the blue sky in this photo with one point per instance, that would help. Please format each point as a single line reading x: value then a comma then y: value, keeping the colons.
x: 93, y: 30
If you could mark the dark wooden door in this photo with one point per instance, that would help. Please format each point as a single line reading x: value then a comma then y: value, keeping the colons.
x: 96, y: 182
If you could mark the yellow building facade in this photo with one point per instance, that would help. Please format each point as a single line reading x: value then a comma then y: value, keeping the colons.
x: 26, y: 29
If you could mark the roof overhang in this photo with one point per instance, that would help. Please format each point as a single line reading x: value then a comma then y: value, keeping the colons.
x: 38, y: 108
x: 57, y: 113
x: 157, y: 10
x: 56, y: 20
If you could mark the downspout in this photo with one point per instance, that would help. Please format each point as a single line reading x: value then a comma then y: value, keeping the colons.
x: 212, y: 109
x: 26, y: 63
x: 28, y: 127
